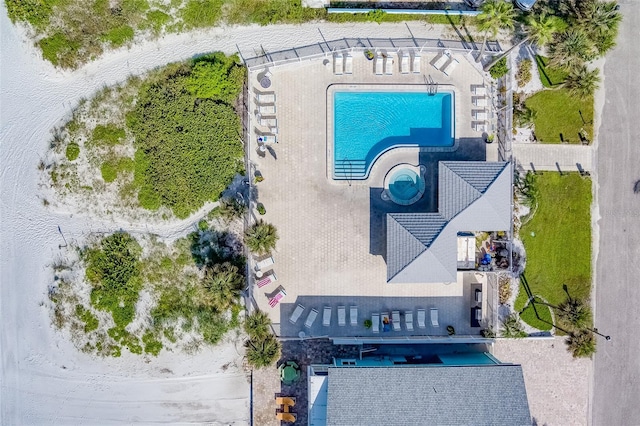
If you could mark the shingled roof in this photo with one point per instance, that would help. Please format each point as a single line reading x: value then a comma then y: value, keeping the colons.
x: 472, y: 196
x: 438, y: 395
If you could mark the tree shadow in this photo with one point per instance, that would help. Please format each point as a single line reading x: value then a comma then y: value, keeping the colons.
x: 209, y: 247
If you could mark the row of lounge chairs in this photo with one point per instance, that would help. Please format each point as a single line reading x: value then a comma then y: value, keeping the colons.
x: 342, y: 63
x: 480, y: 101
x: 326, y: 316
x: 385, y: 63
x: 265, y: 114
x: 383, y: 320
x: 445, y: 62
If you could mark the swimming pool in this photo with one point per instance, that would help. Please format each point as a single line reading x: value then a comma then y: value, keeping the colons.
x: 368, y: 123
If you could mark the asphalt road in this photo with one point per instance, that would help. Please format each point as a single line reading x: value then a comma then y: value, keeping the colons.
x: 616, y: 384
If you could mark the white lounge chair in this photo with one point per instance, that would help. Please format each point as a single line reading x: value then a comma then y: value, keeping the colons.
x: 375, y: 323
x: 342, y: 316
x: 266, y: 97
x: 440, y: 60
x: 338, y: 63
x: 415, y: 66
x: 348, y: 64
x: 388, y: 65
x: 479, y: 101
x: 268, y: 261
x: 404, y: 63
x: 266, y: 109
x: 395, y: 320
x: 451, y: 65
x: 311, y: 318
x: 478, y: 314
x: 353, y: 315
x: 326, y: 316
x: 434, y: 317
x: 408, y: 320
x: 421, y: 318
x: 267, y: 138
x: 277, y: 298
x: 479, y: 126
x: 296, y: 314
x: 268, y: 121
x: 479, y: 90
x: 479, y: 114
x: 267, y: 279
x: 478, y: 295
x: 378, y: 64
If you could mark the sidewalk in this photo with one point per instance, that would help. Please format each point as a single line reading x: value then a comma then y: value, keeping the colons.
x: 556, y: 157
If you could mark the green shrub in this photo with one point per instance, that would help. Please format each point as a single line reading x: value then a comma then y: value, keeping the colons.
x: 90, y: 321
x: 262, y: 352
x: 151, y: 345
x: 524, y: 73
x: 35, y: 12
x: 201, y: 13
x: 57, y: 47
x: 257, y: 325
x: 188, y: 149
x: 512, y: 327
x: 216, y: 76
x: 109, y: 134
x: 119, y: 35
x: 376, y: 15
x: 156, y: 19
x: 108, y: 171
x: 113, y: 269
x: 112, y: 167
x: 499, y: 69
x: 73, y: 150
x: 261, y: 209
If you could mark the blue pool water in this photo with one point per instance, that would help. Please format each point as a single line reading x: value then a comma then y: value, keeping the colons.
x: 367, y: 124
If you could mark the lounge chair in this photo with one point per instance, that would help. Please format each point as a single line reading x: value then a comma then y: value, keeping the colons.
x: 286, y: 417
x: 268, y: 121
x: 421, y: 318
x: 404, y: 63
x: 479, y: 90
x: 267, y: 279
x: 286, y: 400
x: 388, y: 65
x: 348, y: 64
x: 479, y: 101
x: 268, y: 261
x: 440, y: 60
x: 434, y: 317
x: 273, y: 302
x: 479, y: 126
x: 266, y: 97
x: 478, y: 295
x: 338, y: 62
x: 326, y: 316
x: 297, y: 312
x: 408, y: 320
x: 378, y: 64
x: 342, y: 316
x: 478, y: 314
x: 267, y: 109
x: 450, y: 66
x: 375, y: 323
x: 395, y: 320
x: 353, y: 315
x: 479, y: 114
x: 267, y: 138
x: 311, y: 318
x: 415, y: 66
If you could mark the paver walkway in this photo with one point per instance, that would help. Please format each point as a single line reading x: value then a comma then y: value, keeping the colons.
x: 552, y: 156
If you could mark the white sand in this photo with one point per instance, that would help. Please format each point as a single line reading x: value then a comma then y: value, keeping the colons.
x: 45, y: 380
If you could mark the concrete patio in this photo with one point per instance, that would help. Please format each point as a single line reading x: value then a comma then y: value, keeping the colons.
x: 332, y: 233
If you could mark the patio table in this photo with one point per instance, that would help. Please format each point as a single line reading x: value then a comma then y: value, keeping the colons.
x: 289, y: 372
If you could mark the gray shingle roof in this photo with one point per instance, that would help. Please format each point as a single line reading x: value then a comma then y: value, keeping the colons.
x: 473, y: 196
x: 438, y: 395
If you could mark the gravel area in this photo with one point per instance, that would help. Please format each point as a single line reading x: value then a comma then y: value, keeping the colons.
x: 557, y: 384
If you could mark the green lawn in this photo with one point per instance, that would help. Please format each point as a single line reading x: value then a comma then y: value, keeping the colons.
x: 557, y: 240
x: 529, y: 316
x: 549, y: 76
x: 557, y: 116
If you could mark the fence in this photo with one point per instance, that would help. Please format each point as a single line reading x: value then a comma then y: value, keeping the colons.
x: 325, y: 48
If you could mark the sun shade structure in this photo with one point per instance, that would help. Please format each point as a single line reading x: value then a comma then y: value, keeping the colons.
x: 472, y: 196
x: 438, y: 395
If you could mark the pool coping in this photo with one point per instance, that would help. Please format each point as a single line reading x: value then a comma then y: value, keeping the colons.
x: 390, y: 87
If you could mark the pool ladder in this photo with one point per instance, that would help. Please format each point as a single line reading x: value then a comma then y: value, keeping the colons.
x: 432, y: 86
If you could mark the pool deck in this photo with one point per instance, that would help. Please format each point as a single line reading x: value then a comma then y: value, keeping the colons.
x: 332, y: 233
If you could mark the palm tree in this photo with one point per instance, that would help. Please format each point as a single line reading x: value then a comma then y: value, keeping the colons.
x: 582, y: 82
x: 262, y: 352
x: 494, y: 16
x: 572, y: 49
x: 581, y: 344
x: 512, y: 327
x: 602, y: 17
x: 232, y: 208
x: 574, y: 314
x: 261, y: 238
x: 540, y: 30
x: 257, y: 324
x: 224, y: 283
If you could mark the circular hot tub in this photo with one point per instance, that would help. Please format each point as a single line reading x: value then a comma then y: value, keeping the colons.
x: 404, y: 184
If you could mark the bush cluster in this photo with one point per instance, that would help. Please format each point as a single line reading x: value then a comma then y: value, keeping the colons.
x: 72, y: 152
x: 263, y: 349
x: 499, y: 69
x: 523, y: 75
